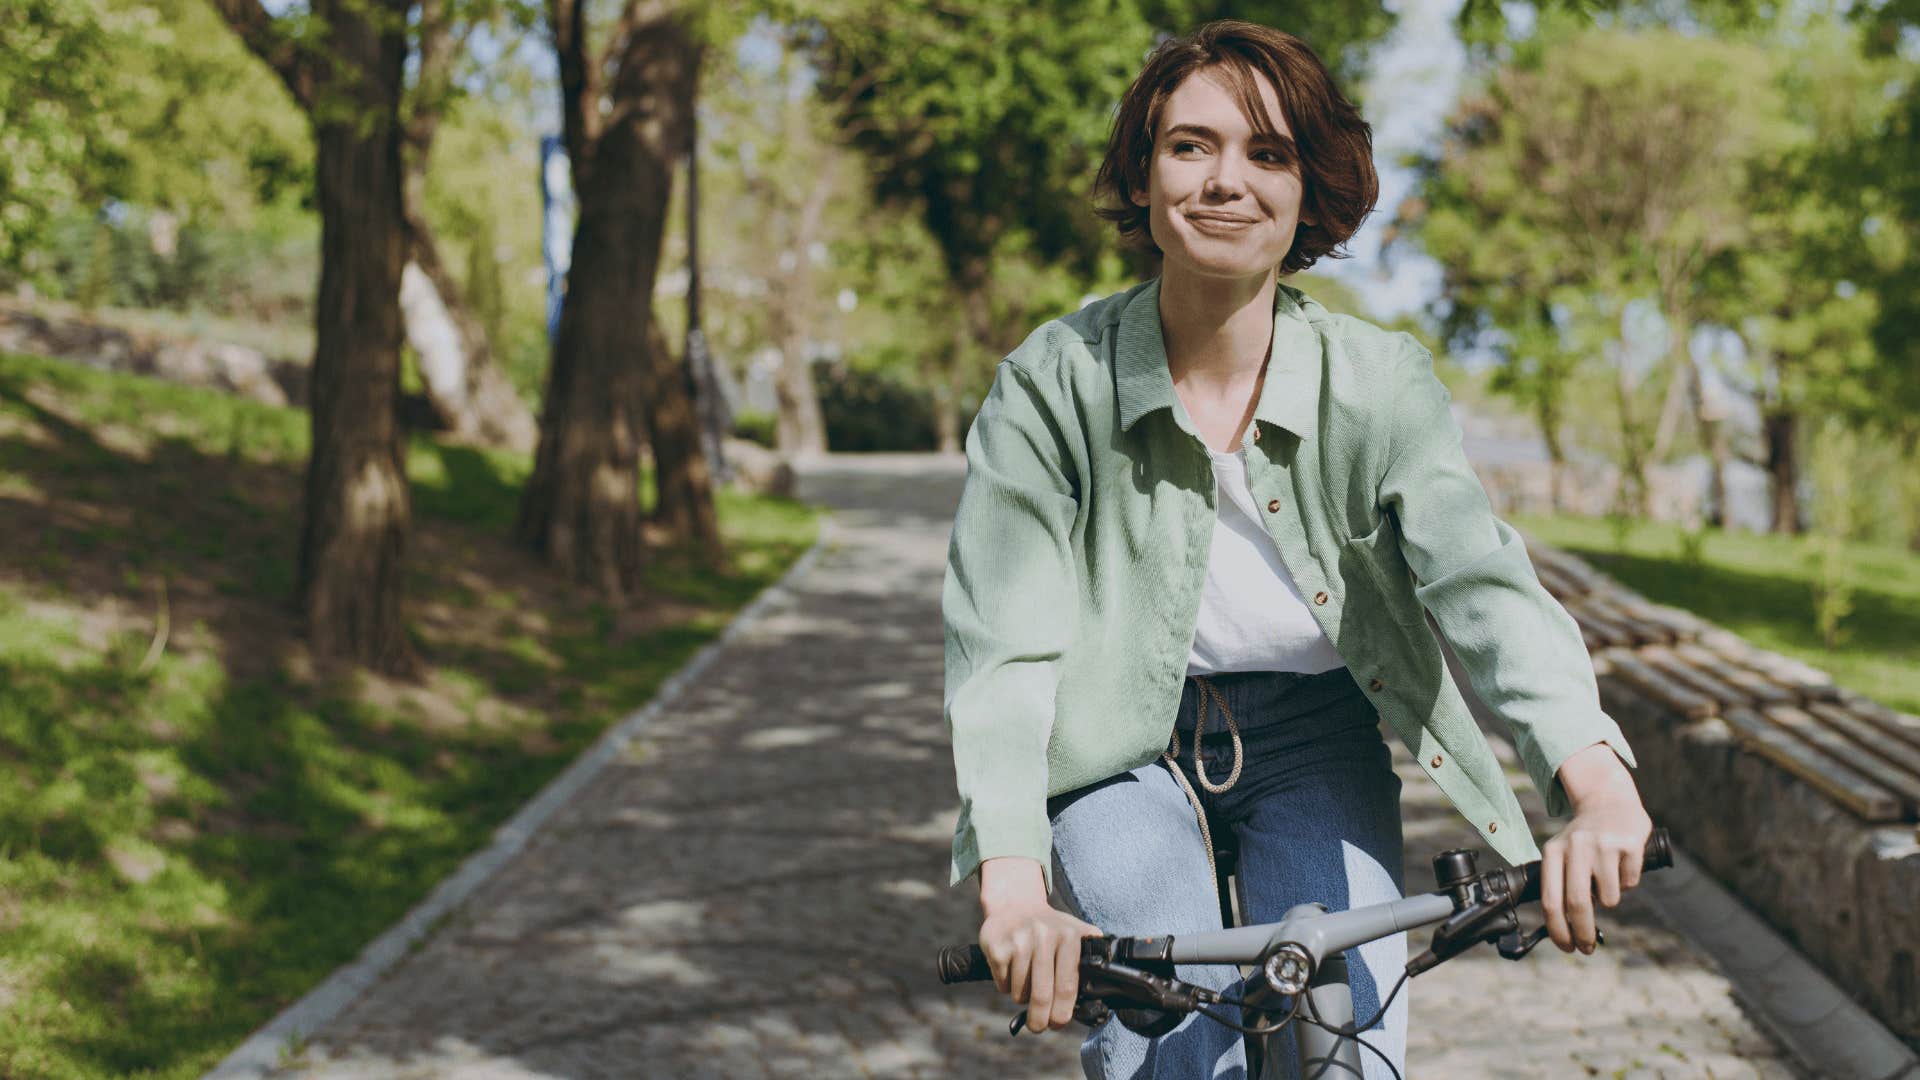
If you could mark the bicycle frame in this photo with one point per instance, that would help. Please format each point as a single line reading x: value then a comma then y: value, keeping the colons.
x: 1321, y: 936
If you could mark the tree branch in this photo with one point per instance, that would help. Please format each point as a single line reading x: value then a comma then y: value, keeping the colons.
x: 579, y: 88
x: 266, y: 39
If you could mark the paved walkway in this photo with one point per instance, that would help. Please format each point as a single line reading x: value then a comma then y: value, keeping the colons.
x: 757, y: 890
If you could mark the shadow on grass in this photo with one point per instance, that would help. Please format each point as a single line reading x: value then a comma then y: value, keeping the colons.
x: 193, y: 840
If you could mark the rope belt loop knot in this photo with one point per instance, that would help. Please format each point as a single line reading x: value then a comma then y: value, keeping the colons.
x: 1210, y: 697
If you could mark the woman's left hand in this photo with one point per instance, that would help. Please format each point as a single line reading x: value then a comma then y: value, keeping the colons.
x: 1599, y: 852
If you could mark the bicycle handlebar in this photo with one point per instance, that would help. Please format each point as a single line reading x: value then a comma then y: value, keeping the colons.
x: 1489, y: 897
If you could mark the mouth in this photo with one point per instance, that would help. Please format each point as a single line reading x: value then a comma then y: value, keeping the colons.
x: 1212, y: 221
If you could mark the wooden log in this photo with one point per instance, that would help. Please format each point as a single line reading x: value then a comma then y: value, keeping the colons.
x: 1556, y: 583
x: 1686, y: 626
x: 1902, y: 726
x: 1807, y: 683
x: 1868, y: 736
x: 1636, y: 673
x: 1693, y: 678
x: 1641, y: 613
x: 1584, y: 576
x: 1614, y: 609
x: 1860, y: 796
x: 1579, y: 579
x: 1605, y: 629
x: 1841, y: 747
x: 1756, y: 686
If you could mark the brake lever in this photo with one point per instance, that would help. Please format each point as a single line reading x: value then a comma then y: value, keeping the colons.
x: 1090, y: 1011
x: 1513, y: 946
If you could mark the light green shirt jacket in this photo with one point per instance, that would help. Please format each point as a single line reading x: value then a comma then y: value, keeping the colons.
x: 1081, y: 544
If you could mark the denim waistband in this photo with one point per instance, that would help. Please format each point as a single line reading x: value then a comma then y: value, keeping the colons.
x: 1258, y: 698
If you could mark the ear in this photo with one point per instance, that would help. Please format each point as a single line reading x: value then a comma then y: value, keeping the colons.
x: 1142, y: 199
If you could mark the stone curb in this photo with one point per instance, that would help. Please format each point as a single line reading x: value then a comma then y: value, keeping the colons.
x: 1826, y: 1031
x: 260, y: 1055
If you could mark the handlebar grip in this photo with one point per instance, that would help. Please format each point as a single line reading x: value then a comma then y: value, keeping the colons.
x: 1659, y: 856
x: 964, y: 963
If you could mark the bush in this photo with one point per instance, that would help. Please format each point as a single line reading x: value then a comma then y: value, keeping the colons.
x: 873, y: 410
x: 757, y: 427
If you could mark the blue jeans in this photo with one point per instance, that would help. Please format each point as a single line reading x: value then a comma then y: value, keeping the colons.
x: 1315, y: 813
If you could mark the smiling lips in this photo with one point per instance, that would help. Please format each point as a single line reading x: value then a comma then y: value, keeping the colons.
x: 1213, y: 221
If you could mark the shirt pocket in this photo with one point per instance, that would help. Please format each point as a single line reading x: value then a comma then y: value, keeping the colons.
x: 1374, y: 566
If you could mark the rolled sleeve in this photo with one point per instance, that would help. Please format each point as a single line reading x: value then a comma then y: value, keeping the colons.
x: 1521, y: 650
x: 1008, y: 608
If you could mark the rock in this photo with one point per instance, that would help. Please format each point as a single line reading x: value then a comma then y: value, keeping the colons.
x: 759, y: 470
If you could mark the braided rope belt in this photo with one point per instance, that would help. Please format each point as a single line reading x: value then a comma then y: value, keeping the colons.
x: 1210, y: 697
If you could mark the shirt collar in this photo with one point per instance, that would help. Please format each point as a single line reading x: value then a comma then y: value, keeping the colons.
x: 1290, y: 397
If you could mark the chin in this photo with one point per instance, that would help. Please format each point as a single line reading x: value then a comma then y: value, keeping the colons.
x: 1218, y: 264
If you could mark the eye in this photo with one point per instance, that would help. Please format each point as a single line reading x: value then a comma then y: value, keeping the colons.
x: 1186, y: 146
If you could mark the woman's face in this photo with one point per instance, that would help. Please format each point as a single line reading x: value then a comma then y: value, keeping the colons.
x: 1224, y: 200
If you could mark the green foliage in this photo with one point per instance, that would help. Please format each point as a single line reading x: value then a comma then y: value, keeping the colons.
x: 1693, y: 545
x: 874, y: 409
x: 756, y: 427
x: 55, y: 66
x: 192, y: 842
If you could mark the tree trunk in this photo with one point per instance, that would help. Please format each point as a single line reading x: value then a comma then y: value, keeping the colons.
x: 581, y: 509
x: 357, y: 504
x: 682, y: 483
x: 466, y: 386
x: 1782, y: 430
x: 800, y: 428
x: 1547, y: 413
x: 1632, y: 496
x: 1715, y: 512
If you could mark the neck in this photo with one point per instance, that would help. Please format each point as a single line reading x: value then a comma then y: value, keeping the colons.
x: 1216, y: 329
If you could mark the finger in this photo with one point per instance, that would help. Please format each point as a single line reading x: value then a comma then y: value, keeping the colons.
x: 1553, y: 864
x: 1040, y: 1004
x: 1066, y: 980
x: 1000, y: 962
x: 1630, y: 865
x: 1606, y: 873
x: 1018, y: 986
x: 1579, y: 894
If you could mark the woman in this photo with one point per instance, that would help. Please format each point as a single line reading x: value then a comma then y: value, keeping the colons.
x: 1205, y: 516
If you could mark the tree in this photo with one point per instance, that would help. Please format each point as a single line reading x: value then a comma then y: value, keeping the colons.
x: 1799, y: 289
x: 344, y: 65
x: 777, y: 149
x: 625, y: 111
x: 1508, y: 284
x: 463, y: 380
x: 1623, y: 155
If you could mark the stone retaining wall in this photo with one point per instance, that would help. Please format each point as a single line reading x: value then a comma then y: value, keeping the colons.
x: 1797, y: 794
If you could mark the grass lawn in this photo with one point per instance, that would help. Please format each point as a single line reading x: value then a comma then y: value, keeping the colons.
x: 193, y: 836
x: 1761, y: 587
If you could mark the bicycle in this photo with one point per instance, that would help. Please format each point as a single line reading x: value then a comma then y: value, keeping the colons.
x: 1298, y: 962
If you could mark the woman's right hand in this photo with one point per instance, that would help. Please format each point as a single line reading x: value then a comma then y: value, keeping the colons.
x: 1032, y: 947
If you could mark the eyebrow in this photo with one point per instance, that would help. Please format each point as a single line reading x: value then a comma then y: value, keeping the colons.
x: 1202, y: 132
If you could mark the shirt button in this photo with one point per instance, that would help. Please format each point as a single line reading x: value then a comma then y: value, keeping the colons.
x: 1375, y: 684
x: 1319, y: 598
x: 1273, y: 506
x: 1256, y: 432
x: 1436, y: 761
x: 1493, y: 826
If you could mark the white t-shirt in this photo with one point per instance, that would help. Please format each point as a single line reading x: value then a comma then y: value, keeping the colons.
x: 1252, y: 616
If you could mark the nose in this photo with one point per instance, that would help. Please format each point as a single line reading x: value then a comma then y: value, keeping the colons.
x: 1228, y: 177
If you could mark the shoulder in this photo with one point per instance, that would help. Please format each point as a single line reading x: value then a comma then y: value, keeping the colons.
x: 1075, y: 343
x: 1366, y: 363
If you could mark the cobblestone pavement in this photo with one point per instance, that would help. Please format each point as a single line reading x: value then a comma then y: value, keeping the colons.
x: 758, y: 889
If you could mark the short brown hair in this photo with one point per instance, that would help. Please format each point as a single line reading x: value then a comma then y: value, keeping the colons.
x: 1339, y: 186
